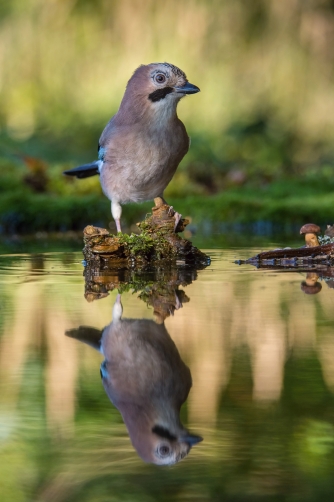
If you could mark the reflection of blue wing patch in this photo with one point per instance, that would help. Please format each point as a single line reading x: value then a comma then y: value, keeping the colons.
x: 103, y: 370
x: 101, y: 152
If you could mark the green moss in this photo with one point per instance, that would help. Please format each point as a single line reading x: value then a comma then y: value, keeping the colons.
x: 137, y: 245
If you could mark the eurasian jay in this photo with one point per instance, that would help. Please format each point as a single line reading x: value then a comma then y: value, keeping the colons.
x: 142, y: 145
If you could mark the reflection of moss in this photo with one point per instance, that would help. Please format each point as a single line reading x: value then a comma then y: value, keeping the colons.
x: 134, y: 285
x: 158, y: 287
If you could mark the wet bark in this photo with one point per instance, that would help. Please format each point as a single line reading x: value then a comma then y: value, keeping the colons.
x: 295, y: 256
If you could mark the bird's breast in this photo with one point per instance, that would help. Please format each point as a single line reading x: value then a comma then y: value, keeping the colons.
x: 140, y: 165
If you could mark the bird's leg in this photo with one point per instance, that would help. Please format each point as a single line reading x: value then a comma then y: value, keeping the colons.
x: 158, y: 201
x: 116, y: 211
x: 117, y: 310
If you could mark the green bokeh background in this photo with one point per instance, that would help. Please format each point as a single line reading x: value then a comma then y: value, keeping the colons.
x: 262, y: 127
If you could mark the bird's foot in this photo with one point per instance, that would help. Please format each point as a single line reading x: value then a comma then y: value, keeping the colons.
x: 178, y: 303
x: 176, y: 306
x: 177, y: 217
x: 171, y: 211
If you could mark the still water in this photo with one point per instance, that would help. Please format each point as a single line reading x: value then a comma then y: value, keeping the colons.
x: 260, y: 353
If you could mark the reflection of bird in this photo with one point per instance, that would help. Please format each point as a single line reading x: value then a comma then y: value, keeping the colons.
x: 142, y: 145
x: 146, y: 379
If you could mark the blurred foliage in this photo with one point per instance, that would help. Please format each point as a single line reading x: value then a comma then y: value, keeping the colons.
x: 41, y: 198
x: 265, y: 112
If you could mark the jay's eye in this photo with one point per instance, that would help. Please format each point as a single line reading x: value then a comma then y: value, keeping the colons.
x: 164, y: 451
x: 160, y: 78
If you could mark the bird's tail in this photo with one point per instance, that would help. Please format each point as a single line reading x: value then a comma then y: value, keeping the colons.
x: 85, y: 171
x: 86, y: 334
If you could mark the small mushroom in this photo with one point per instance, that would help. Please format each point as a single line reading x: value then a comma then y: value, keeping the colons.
x: 310, y: 230
x: 311, y: 289
x: 310, y: 286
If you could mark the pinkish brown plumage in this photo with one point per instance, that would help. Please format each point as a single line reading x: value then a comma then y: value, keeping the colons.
x: 142, y: 145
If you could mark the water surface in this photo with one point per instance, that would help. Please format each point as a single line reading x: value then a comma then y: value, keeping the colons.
x: 261, y: 355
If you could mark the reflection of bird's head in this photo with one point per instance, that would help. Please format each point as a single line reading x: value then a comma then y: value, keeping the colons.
x: 169, y: 449
x: 160, y: 445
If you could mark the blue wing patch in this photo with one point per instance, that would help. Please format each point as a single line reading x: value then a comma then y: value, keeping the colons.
x: 103, y: 369
x: 101, y: 153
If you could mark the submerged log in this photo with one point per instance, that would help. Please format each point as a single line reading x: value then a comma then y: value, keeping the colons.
x: 290, y: 256
x: 317, y: 250
x: 158, y: 242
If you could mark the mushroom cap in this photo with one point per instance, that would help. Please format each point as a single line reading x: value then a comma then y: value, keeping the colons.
x: 310, y: 228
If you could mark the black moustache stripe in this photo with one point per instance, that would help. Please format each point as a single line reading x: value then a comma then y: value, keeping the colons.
x: 163, y: 433
x: 160, y: 94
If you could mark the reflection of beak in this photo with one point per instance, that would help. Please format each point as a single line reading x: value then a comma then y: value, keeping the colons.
x: 187, y: 88
x: 191, y: 439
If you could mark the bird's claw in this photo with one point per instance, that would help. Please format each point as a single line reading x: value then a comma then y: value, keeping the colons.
x: 171, y: 211
x: 178, y: 303
x: 177, y: 217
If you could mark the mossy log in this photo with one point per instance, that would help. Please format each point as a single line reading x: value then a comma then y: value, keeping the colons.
x: 158, y: 242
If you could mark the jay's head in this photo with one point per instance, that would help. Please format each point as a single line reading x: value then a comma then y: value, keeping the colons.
x: 159, y: 444
x: 160, y: 84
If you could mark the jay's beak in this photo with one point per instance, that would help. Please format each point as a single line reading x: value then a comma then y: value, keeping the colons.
x: 187, y: 88
x: 191, y: 439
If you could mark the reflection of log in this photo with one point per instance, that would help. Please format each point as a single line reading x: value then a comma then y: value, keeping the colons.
x: 100, y: 280
x: 158, y: 242
x: 290, y: 256
x: 314, y: 270
x: 158, y: 287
